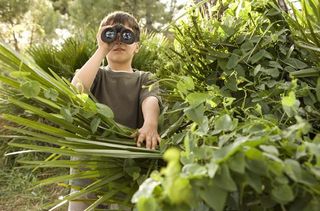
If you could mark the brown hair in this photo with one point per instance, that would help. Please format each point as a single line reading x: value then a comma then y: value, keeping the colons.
x: 121, y: 17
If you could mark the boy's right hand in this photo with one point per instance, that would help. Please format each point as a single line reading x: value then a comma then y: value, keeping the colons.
x: 103, y: 46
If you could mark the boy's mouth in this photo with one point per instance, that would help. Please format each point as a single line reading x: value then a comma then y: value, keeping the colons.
x: 118, y: 49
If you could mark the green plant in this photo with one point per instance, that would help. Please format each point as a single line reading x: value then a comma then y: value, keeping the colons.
x: 62, y: 122
x: 247, y: 130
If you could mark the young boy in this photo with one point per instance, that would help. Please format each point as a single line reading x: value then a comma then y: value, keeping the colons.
x: 119, y: 85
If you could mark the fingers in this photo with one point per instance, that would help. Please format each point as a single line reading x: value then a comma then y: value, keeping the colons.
x: 141, y: 138
x: 154, y: 142
x: 151, y: 141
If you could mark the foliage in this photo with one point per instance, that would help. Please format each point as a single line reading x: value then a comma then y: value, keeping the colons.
x: 15, y: 193
x: 25, y: 22
x: 151, y: 52
x: 71, y: 56
x: 88, y: 14
x: 305, y: 24
x: 75, y: 51
x: 62, y: 122
x: 247, y: 130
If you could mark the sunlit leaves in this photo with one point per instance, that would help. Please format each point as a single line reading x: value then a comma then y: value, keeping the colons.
x: 185, y: 84
x: 51, y: 94
x: 224, y: 123
x: 282, y: 193
x: 30, y: 89
x: 214, y: 196
x: 290, y: 104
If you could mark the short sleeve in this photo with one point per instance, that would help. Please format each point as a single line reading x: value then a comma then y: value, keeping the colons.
x: 96, y: 81
x: 150, y: 87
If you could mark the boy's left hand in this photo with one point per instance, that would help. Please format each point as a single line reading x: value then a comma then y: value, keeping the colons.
x: 148, y: 134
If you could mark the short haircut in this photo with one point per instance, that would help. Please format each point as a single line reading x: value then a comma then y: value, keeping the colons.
x: 120, y: 17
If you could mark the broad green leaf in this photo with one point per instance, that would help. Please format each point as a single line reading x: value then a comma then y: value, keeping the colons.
x: 237, y: 163
x: 247, y: 46
x: 212, y: 168
x: 51, y: 94
x: 274, y: 72
x: 258, y: 69
x: 256, y: 162
x: 295, y: 63
x: 233, y: 61
x: 147, y: 204
x: 290, y: 104
x: 95, y: 124
x: 295, y: 171
x: 66, y: 113
x: 30, y: 89
x: 194, y: 170
x: 214, y: 196
x: 185, y: 84
x: 254, y: 180
x: 258, y: 56
x: 145, y: 190
x: 231, y: 83
x: 131, y: 168
x: 223, y: 123
x: 196, y: 98
x: 105, y: 110
x: 282, y: 193
x: 195, y: 114
x: 270, y: 149
x: 224, y: 180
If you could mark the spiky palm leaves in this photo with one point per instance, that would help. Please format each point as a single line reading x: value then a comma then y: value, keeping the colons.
x: 62, y: 122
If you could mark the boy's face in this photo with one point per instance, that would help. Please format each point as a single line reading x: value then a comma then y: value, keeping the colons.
x: 121, y: 52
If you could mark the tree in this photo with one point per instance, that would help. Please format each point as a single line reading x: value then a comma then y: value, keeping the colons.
x: 11, y: 14
x: 150, y: 13
x: 25, y: 22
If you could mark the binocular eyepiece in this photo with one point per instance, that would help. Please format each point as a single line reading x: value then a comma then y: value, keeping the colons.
x: 110, y: 34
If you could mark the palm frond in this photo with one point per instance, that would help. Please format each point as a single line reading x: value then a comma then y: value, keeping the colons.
x: 62, y: 122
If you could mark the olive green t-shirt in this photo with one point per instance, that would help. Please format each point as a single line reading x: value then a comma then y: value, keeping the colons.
x: 124, y: 93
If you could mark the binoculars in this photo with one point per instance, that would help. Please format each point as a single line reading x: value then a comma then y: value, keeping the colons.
x: 110, y: 34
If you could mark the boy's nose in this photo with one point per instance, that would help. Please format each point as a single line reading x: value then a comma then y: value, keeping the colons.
x: 117, y: 40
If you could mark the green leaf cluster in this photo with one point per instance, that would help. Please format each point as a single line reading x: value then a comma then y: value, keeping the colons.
x: 244, y: 122
x: 58, y: 120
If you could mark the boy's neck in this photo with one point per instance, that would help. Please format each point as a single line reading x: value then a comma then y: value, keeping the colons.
x: 120, y: 68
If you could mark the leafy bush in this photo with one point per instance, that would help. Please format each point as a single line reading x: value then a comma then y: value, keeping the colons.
x: 247, y: 131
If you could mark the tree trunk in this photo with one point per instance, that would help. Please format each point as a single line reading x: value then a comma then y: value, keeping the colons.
x: 15, y: 40
x: 148, y: 15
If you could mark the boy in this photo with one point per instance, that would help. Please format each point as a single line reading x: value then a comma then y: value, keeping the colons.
x: 118, y: 85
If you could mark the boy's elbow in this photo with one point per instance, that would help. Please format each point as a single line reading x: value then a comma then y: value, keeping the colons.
x: 76, y: 82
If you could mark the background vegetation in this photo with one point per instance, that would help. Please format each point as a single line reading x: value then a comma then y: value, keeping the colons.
x: 241, y: 88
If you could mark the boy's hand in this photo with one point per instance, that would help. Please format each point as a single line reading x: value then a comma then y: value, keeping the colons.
x: 148, y: 134
x: 102, y: 45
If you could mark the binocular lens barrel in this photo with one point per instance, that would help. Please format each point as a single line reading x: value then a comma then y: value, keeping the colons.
x: 110, y: 34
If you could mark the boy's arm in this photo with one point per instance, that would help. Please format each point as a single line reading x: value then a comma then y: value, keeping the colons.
x: 84, y: 77
x: 149, y: 131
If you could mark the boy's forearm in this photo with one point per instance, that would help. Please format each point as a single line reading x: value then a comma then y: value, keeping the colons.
x: 151, y: 110
x: 86, y: 75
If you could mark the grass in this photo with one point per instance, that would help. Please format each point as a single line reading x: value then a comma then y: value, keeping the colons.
x: 15, y: 192
x: 16, y: 183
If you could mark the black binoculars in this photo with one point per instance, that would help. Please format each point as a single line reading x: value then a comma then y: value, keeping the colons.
x: 109, y: 34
